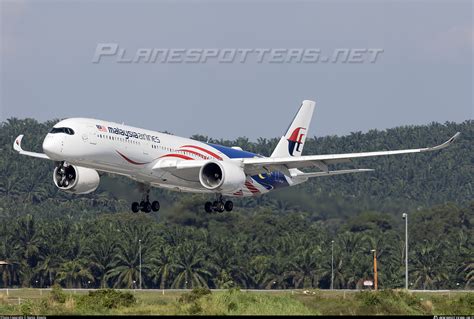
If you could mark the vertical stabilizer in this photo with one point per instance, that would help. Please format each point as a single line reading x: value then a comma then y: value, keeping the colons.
x: 292, y: 143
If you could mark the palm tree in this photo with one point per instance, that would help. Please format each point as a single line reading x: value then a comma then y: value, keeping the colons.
x: 27, y: 245
x: 227, y: 256
x: 162, y: 266
x: 305, y: 267
x: 258, y: 271
x: 276, y: 274
x: 11, y: 273
x: 352, y: 259
x: 429, y: 270
x: 340, y: 277
x: 464, y: 258
x: 394, y: 267
x: 34, y: 184
x: 47, y: 268
x: 390, y: 249
x: 125, y: 267
x: 9, y: 183
x: 56, y: 239
x: 469, y: 270
x: 101, y: 252
x: 75, y: 273
x: 192, y: 269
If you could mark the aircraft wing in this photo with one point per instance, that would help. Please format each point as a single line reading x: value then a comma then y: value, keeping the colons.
x: 255, y: 165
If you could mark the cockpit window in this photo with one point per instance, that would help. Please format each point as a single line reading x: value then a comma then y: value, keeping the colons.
x: 65, y: 130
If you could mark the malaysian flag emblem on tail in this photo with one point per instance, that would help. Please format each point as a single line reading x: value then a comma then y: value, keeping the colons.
x: 101, y: 128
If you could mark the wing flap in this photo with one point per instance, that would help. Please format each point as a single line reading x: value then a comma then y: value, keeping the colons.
x: 329, y: 173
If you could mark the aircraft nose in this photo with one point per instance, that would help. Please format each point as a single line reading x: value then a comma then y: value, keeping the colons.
x: 52, y: 147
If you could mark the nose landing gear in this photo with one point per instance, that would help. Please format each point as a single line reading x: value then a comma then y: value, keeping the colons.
x: 145, y: 205
x: 218, y: 205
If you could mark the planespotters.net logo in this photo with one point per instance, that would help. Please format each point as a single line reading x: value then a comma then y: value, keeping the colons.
x: 114, y: 53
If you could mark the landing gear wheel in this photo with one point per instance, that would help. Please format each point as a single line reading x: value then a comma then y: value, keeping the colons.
x: 208, y: 207
x: 219, y: 207
x: 135, y: 207
x: 155, y: 206
x: 228, y: 205
x: 146, y: 207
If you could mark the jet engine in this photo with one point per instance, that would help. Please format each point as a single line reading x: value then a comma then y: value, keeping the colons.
x: 75, y: 179
x: 221, y: 176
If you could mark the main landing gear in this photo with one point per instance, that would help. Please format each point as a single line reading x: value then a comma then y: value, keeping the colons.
x: 145, y: 205
x: 219, y: 205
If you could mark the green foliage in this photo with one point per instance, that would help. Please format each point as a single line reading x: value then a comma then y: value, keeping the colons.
x: 108, y: 298
x: 448, y: 305
x: 194, y: 295
x: 236, y: 302
x: 467, y: 300
x: 278, y: 241
x: 389, y: 302
x: 192, y: 298
x: 369, y: 298
x: 27, y: 307
x: 57, y: 294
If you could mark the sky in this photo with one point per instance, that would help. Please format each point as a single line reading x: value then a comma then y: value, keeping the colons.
x: 424, y: 73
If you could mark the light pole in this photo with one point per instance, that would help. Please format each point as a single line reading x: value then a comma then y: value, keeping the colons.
x: 375, y: 268
x: 405, y: 217
x: 332, y: 264
x: 140, y: 257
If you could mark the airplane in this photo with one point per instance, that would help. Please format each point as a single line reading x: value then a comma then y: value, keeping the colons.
x: 82, y: 147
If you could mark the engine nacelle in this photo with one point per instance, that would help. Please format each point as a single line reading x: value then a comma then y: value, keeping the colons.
x: 75, y: 179
x: 222, y: 176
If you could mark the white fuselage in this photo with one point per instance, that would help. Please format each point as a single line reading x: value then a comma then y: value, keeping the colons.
x: 135, y: 152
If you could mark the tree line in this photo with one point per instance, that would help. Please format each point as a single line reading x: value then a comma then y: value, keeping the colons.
x: 281, y: 240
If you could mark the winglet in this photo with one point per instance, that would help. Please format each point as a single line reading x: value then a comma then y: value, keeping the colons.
x: 17, y: 143
x: 17, y: 147
x: 445, y: 144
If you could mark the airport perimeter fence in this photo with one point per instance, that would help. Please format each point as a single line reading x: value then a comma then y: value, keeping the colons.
x: 18, y: 295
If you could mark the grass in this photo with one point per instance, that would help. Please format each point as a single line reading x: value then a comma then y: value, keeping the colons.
x: 234, y: 302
